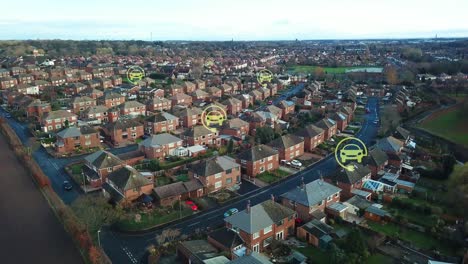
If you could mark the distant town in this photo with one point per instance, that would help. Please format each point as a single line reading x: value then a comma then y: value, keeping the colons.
x: 138, y: 170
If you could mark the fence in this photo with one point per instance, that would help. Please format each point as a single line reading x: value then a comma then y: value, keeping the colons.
x: 72, y: 225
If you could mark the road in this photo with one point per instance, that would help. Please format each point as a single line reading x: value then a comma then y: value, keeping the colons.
x: 124, y: 248
x: 54, y: 167
x: 31, y: 233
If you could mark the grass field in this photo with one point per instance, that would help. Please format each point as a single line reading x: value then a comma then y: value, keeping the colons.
x: 330, y: 70
x: 452, y: 125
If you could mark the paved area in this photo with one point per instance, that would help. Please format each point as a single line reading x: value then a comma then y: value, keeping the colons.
x: 30, y: 231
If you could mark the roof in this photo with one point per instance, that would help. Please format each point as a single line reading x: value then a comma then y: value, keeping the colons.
x: 253, y: 258
x: 103, y: 159
x: 161, y: 117
x: 326, y: 123
x: 131, y: 104
x: 127, y: 178
x: 95, y: 109
x: 200, y: 249
x: 226, y: 237
x: 197, y: 131
x: 58, y: 114
x: 389, y: 144
x: 403, y: 133
x: 350, y: 177
x: 317, y: 228
x: 337, y: 207
x: 159, y: 140
x: 311, y: 193
x: 285, y: 141
x: 79, y: 99
x: 257, y: 152
x: 377, y: 157
x: 122, y: 124
x: 310, y: 131
x: 377, y: 211
x: 359, y: 202
x: 111, y: 95
x: 212, y: 166
x: 177, y: 188
x: 235, y: 123
x: 259, y: 216
x: 75, y: 131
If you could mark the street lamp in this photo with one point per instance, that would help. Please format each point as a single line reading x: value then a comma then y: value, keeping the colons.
x: 99, y: 237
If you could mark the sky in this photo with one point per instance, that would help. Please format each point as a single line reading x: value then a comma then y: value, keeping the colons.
x: 232, y: 19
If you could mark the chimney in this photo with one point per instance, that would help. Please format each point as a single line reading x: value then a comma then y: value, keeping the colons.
x: 248, y: 207
x: 272, y: 198
x: 321, y: 176
x: 302, y: 183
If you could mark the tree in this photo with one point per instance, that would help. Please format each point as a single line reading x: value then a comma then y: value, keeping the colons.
x: 391, y: 75
x: 264, y: 134
x: 95, y: 212
x: 458, y: 189
x: 319, y: 73
x: 230, y: 146
x: 337, y: 254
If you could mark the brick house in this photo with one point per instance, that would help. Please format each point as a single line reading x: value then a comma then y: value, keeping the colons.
x: 246, y: 100
x: 235, y: 127
x: 226, y: 89
x: 161, y: 122
x: 376, y: 161
x: 189, y: 87
x: 8, y: 82
x: 258, y: 159
x: 99, y: 165
x: 200, y: 95
x: 341, y: 120
x: 176, y: 89
x: 57, y: 81
x: 74, y: 88
x: 256, y: 95
x: 227, y: 240
x: 274, y: 110
x: 72, y: 137
x: 214, y: 92
x: 329, y: 127
x: 123, y: 130
x: 92, y: 93
x: 160, y: 145
x: 126, y: 185
x: 200, y: 135
x: 169, y: 194
x: 17, y: 70
x: 288, y: 146
x: 111, y: 99
x: 287, y: 107
x: 26, y: 88
x: 56, y: 120
x: 316, y: 233
x: 234, y: 106
x: 81, y: 103
x: 313, y: 136
x: 189, y: 117
x: 37, y: 109
x: 133, y: 109
x: 95, y: 115
x: 259, y: 225
x: 348, y: 180
x: 200, y: 84
x: 308, y: 198
x: 348, y: 111
x: 158, y: 104
x: 181, y: 99
x: 24, y: 78
x: 116, y: 80
x: 216, y: 173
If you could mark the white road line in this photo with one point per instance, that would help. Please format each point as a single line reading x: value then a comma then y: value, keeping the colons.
x: 196, y: 223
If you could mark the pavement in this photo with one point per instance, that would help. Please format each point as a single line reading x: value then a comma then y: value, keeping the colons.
x: 131, y: 248
x: 31, y: 233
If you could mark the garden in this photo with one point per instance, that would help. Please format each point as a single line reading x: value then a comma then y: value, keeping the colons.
x: 272, y: 176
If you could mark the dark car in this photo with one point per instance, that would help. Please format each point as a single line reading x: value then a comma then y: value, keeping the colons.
x: 67, y: 185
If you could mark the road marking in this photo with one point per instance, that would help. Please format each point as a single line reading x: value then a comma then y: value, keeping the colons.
x: 196, y: 223
x: 129, y: 254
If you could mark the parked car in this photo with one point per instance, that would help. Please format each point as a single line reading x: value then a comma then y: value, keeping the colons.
x: 270, y: 102
x: 67, y: 185
x: 231, y: 212
x: 296, y: 163
x: 285, y: 162
x: 192, y: 205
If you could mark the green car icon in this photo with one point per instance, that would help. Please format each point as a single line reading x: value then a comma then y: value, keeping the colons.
x: 351, y: 152
x: 214, y: 117
x: 264, y: 77
x: 135, y: 75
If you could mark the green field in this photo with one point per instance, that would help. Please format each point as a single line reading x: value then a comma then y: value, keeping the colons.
x: 330, y: 70
x: 452, y: 125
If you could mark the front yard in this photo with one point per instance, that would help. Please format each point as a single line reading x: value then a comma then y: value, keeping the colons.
x: 272, y: 176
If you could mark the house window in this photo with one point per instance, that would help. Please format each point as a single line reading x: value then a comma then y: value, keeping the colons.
x: 267, y: 229
x: 262, y: 160
x: 218, y: 175
x: 270, y: 158
x: 270, y: 166
x: 87, y: 143
x: 262, y: 169
x: 229, y: 180
x: 229, y: 171
x: 279, y: 235
x: 319, y: 203
x: 336, y: 194
x: 109, y: 169
x: 256, y: 235
x: 218, y: 184
x: 329, y: 198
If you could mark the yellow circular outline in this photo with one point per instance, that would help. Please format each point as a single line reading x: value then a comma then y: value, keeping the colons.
x: 348, y: 167
x: 206, y: 112
x: 258, y: 76
x: 134, y: 68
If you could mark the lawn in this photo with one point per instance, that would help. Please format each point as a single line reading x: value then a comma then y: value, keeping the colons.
x: 331, y: 70
x: 272, y: 176
x: 182, y: 177
x: 451, y: 125
x: 152, y: 219
x: 418, y: 239
x: 76, y: 168
x: 161, y: 180
x: 315, y: 255
x: 379, y: 259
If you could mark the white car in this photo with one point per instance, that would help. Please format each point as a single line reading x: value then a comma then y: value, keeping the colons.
x: 296, y: 163
x: 285, y: 162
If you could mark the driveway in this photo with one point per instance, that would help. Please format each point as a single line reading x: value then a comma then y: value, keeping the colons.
x: 31, y: 233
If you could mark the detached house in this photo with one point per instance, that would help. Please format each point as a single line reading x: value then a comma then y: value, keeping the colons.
x: 127, y: 184
x: 72, y: 137
x: 160, y: 145
x: 161, y: 122
x: 258, y: 159
x: 99, y: 165
x: 200, y: 135
x: 329, y: 127
x: 313, y: 136
x: 259, y: 225
x: 310, y: 200
x: 55, y: 120
x: 348, y: 181
x: 376, y: 161
x: 288, y: 146
x: 123, y: 130
x: 216, y: 173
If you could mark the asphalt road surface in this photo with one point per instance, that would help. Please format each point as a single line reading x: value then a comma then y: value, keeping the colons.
x: 30, y: 233
x: 122, y: 248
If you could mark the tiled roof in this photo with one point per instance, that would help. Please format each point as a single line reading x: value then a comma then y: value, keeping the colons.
x: 159, y: 140
x: 257, y: 152
x: 285, y: 141
x: 312, y: 193
x: 103, y: 159
x: 350, y: 177
x: 310, y: 131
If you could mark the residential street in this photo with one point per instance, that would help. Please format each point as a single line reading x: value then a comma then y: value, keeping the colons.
x: 31, y: 233
x: 123, y: 248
